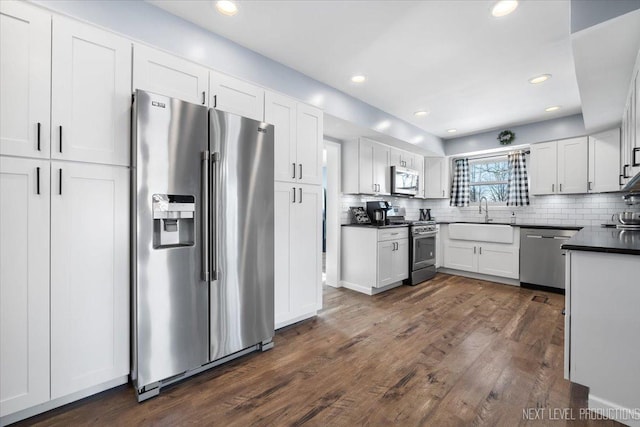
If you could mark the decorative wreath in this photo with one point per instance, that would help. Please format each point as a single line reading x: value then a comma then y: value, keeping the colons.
x: 506, y: 137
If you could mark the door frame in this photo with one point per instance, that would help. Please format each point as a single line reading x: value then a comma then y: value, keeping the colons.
x: 333, y: 204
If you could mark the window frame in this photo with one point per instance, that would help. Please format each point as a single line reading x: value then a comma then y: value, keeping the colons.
x: 499, y: 158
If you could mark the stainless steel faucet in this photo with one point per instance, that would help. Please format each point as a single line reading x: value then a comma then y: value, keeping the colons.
x: 486, y: 208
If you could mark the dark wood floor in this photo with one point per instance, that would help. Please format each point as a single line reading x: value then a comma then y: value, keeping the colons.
x: 450, y: 352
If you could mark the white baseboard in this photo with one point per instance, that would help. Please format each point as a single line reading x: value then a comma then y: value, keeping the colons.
x: 367, y: 290
x: 295, y: 319
x: 612, y: 411
x: 472, y: 275
x: 61, y: 401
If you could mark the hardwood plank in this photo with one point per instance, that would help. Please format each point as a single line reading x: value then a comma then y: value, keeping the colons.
x: 450, y: 352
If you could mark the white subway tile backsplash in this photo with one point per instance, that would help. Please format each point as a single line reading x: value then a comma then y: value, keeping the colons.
x: 588, y: 209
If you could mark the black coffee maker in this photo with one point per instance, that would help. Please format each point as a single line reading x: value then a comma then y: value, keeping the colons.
x: 377, y: 212
x: 425, y: 215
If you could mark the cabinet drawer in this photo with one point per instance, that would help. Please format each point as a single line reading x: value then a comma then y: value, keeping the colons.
x: 393, y: 234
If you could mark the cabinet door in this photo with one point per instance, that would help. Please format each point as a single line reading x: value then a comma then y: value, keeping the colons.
x: 604, y: 157
x: 306, y: 250
x: 385, y: 263
x: 635, y: 149
x: 433, y: 172
x: 91, y: 94
x: 573, y: 162
x: 401, y: 260
x: 89, y: 276
x: 381, y: 168
x: 367, y: 184
x: 25, y: 79
x: 395, y: 157
x: 461, y: 255
x: 168, y: 75
x: 499, y: 260
x: 283, y: 204
x: 24, y: 283
x: 309, y: 144
x: 236, y: 96
x: 280, y: 111
x: 544, y: 167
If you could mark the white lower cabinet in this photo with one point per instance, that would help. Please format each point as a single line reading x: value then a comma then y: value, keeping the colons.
x: 89, y: 276
x: 494, y: 259
x: 24, y: 284
x: 374, y: 259
x: 64, y: 280
x: 298, y: 246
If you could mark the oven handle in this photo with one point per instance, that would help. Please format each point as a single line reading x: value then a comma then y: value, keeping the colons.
x: 428, y: 234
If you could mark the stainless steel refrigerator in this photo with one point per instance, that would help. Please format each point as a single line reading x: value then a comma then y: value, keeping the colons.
x: 203, y: 239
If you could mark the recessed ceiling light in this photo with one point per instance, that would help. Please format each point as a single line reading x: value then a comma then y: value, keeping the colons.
x: 421, y: 113
x: 358, y: 78
x: 504, y: 7
x: 226, y: 7
x: 539, y: 79
x: 452, y: 130
x: 550, y: 109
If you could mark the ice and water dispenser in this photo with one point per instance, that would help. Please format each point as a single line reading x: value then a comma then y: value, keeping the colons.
x: 173, y: 220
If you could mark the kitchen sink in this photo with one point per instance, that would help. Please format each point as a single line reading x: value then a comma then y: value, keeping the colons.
x: 496, y: 233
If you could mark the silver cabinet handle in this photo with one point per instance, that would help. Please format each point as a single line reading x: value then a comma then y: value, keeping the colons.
x: 394, y: 234
x: 204, y: 208
x: 293, y: 175
x: 474, y: 249
x: 300, y: 189
x: 561, y: 187
x: 589, y: 185
x: 480, y: 250
x: 204, y: 99
x: 442, y: 193
x: 60, y: 135
x: 294, y: 194
x: 553, y: 188
x: 39, y: 126
x: 60, y: 181
x: 533, y: 236
x: 300, y: 171
x: 214, y: 220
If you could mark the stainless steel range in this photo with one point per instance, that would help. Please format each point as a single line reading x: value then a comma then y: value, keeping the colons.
x: 422, y: 251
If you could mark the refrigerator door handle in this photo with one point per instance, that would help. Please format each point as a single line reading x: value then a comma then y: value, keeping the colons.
x: 215, y: 158
x: 204, y: 207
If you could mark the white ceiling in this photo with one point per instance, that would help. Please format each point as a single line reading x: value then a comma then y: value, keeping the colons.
x: 449, y: 57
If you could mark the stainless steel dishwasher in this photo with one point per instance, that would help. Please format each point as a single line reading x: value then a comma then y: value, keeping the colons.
x: 541, y: 258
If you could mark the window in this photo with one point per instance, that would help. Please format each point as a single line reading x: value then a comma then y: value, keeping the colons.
x: 488, y: 178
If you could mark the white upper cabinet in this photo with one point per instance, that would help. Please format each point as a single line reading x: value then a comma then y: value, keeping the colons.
x: 635, y: 147
x: 436, y: 178
x: 366, y: 167
x: 298, y: 139
x: 544, y: 168
x: 165, y: 74
x: 381, y: 168
x: 91, y: 94
x: 89, y: 276
x: 309, y: 144
x: 236, y: 96
x: 25, y: 79
x: 573, y: 162
x: 24, y: 283
x: 604, y: 158
x: 280, y: 111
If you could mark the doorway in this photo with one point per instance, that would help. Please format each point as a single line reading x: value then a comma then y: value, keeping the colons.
x: 331, y: 214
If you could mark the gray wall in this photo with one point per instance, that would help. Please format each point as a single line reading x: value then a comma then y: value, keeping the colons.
x: 587, y: 13
x: 146, y: 23
x: 548, y: 130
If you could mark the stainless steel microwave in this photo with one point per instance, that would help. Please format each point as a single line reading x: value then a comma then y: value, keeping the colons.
x: 404, y: 181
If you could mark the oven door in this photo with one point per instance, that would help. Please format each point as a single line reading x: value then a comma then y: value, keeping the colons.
x: 424, y: 251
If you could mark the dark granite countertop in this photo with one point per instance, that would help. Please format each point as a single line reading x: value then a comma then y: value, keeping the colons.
x: 610, y: 240
x: 517, y: 224
x: 375, y: 226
